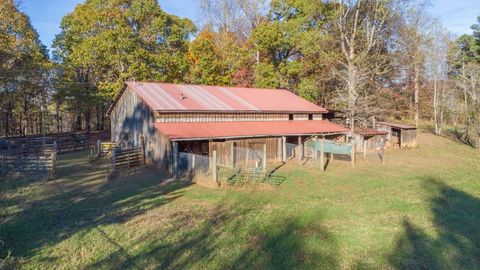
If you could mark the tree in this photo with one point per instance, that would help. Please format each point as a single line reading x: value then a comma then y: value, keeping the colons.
x: 104, y: 43
x: 361, y: 29
x: 206, y: 65
x: 437, y: 67
x: 411, y: 45
x: 24, y: 73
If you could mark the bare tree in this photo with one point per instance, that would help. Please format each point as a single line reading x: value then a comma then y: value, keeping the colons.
x: 436, y: 66
x: 469, y: 82
x: 360, y: 26
x: 233, y: 16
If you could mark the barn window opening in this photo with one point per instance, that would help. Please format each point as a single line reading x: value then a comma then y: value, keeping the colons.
x: 290, y: 117
x: 310, y: 117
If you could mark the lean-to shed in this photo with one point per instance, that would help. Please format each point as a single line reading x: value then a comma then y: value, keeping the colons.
x: 399, y: 135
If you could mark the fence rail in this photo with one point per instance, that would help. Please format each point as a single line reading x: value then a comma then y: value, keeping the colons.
x: 125, y: 159
x: 65, y: 142
x: 21, y: 161
x: 243, y: 178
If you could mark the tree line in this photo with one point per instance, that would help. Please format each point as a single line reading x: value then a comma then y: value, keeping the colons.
x: 369, y: 58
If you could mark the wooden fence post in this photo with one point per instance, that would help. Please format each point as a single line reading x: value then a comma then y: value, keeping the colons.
x: 284, y: 148
x: 112, y: 161
x: 53, y: 156
x: 322, y: 153
x: 214, y: 167
x: 175, y: 159
x: 315, y: 150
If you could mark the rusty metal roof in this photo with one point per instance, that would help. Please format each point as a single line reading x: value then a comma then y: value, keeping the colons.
x: 182, y: 98
x: 370, y: 132
x: 397, y: 125
x: 218, y: 130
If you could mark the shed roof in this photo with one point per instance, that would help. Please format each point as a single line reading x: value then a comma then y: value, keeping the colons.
x: 397, y: 125
x: 197, y: 98
x: 218, y: 130
x: 370, y: 132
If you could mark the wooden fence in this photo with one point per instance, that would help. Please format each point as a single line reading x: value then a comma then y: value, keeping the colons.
x: 29, y: 161
x: 125, y: 160
x: 65, y: 142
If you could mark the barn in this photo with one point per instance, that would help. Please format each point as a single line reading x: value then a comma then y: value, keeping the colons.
x: 242, y: 126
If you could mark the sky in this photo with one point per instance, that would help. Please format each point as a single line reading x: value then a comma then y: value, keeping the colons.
x: 456, y: 15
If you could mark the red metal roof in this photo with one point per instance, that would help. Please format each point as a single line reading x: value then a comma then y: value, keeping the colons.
x: 370, y: 132
x: 208, y: 130
x: 180, y: 97
x: 397, y: 125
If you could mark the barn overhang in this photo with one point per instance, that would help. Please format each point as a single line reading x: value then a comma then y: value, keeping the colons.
x: 247, y: 129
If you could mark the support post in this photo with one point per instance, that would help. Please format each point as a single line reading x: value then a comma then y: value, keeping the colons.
x: 322, y: 153
x: 246, y: 156
x: 284, y: 149
x: 315, y: 150
x: 214, y: 167
x: 264, y: 158
x: 300, y: 149
x: 175, y: 159
x: 99, y: 148
x: 383, y: 150
x: 232, y: 154
x: 193, y: 161
x: 364, y: 147
x: 352, y: 154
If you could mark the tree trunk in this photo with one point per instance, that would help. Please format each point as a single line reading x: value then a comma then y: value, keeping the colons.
x: 417, y: 90
x: 435, y: 106
x: 352, y: 96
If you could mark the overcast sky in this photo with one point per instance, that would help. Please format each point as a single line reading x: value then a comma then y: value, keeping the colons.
x: 456, y: 15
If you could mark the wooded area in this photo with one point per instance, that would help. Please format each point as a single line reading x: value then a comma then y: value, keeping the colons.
x: 368, y: 58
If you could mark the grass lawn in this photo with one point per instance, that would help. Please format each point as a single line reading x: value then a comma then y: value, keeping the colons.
x: 421, y: 209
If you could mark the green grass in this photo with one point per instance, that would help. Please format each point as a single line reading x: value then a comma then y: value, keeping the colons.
x: 421, y: 209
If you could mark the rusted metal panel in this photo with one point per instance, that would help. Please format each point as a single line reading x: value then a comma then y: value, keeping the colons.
x: 216, y: 130
x: 195, y: 98
x: 397, y: 125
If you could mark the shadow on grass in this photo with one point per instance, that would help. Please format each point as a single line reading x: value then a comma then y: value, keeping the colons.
x: 456, y: 242
x: 81, y: 202
x: 223, y: 240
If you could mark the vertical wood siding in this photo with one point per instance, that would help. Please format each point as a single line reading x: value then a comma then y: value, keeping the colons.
x: 133, y: 117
